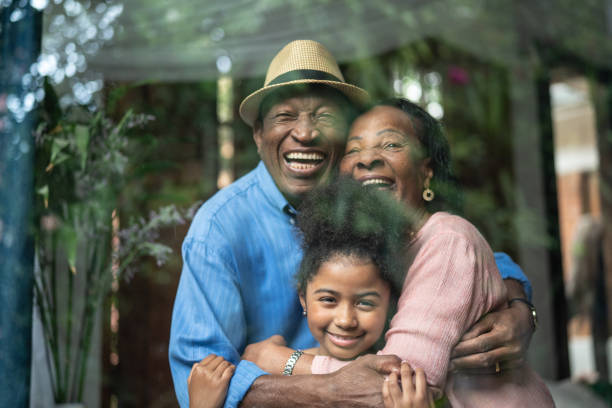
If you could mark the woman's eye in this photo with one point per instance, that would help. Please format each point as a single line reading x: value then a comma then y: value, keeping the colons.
x: 391, y: 146
x: 352, y: 150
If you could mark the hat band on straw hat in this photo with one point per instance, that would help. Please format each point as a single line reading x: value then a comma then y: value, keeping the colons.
x: 304, y: 74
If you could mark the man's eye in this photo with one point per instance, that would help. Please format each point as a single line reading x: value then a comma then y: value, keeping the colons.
x: 283, y: 116
x: 352, y: 150
x: 326, y: 117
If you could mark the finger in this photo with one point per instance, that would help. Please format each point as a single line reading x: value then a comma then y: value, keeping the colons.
x: 228, y: 372
x: 214, y: 363
x: 483, y: 360
x: 387, y: 399
x: 406, y: 378
x: 278, y: 339
x: 420, y: 382
x: 206, y: 360
x: 430, y: 399
x: 221, y: 368
x: 382, y: 364
x: 484, y: 325
x: 394, y: 389
x: 480, y: 344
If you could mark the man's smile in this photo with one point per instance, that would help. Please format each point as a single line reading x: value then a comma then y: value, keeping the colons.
x: 304, y: 162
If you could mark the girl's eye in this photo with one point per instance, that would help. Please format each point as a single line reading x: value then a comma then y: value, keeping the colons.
x: 366, y: 304
x: 327, y: 299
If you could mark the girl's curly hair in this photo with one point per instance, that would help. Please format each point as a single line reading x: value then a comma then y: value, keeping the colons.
x: 345, y: 219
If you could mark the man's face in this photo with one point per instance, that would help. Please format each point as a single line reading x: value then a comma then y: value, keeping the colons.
x: 300, y: 139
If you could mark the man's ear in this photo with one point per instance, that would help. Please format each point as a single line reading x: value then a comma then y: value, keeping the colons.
x: 258, y: 134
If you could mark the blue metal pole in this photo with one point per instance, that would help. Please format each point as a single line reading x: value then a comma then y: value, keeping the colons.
x: 20, y: 36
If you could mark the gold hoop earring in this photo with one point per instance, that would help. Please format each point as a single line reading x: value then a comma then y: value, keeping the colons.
x: 428, y: 193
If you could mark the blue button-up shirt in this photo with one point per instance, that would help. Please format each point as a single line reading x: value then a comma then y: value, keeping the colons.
x: 237, y: 284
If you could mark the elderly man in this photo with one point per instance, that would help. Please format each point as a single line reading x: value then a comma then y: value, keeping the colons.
x: 241, y: 252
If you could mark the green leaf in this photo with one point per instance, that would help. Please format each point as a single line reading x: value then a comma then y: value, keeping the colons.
x: 68, y: 238
x: 43, y: 191
x: 60, y: 158
x: 57, y: 146
x: 123, y: 121
x: 81, y: 134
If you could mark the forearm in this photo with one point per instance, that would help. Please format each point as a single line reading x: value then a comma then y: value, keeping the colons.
x: 298, y: 391
x: 283, y: 391
x: 509, y: 270
x: 359, y: 384
x: 515, y: 289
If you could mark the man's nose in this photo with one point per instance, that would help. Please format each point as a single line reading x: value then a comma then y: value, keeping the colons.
x: 305, y: 130
x: 346, y: 318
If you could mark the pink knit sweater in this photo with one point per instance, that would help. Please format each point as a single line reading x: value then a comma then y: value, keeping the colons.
x: 452, y: 281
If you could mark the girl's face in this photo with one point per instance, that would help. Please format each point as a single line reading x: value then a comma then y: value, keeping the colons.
x: 346, y: 304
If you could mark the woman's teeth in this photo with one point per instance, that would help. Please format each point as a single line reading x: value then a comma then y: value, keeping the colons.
x: 377, y: 182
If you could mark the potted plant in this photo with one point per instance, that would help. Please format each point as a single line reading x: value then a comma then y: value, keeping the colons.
x: 84, y: 161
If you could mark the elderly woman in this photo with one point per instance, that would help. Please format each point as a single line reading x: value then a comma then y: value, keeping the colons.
x: 452, y: 279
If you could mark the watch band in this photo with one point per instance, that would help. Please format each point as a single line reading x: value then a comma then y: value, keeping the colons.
x: 293, y: 358
x: 532, y: 309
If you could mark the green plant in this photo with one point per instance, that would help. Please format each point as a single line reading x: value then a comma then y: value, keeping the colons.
x: 84, y: 161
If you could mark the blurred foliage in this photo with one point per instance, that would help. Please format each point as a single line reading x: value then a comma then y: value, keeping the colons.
x: 84, y: 162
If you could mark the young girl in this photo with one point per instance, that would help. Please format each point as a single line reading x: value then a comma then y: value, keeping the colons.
x: 348, y: 283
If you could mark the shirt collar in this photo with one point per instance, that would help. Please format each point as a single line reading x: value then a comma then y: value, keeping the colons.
x: 271, y: 191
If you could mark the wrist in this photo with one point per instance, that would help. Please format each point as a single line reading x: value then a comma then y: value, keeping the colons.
x: 292, y: 361
x: 525, y: 304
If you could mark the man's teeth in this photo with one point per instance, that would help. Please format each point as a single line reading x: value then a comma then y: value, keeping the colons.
x: 375, y: 181
x: 303, y: 161
x: 304, y: 156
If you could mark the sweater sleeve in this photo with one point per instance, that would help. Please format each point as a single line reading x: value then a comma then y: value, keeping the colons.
x: 450, y: 284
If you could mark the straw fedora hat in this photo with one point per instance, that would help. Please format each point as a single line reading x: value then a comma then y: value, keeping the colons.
x: 300, y: 62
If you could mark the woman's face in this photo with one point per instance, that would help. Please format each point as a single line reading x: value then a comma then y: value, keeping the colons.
x: 346, y: 304
x: 383, y: 150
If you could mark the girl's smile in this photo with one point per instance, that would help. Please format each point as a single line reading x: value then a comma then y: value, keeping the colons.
x: 346, y: 303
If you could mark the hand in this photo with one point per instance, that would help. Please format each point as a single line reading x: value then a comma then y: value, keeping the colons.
x: 208, y: 382
x: 413, y: 394
x: 270, y: 354
x: 360, y: 382
x: 356, y: 385
x: 499, y: 337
